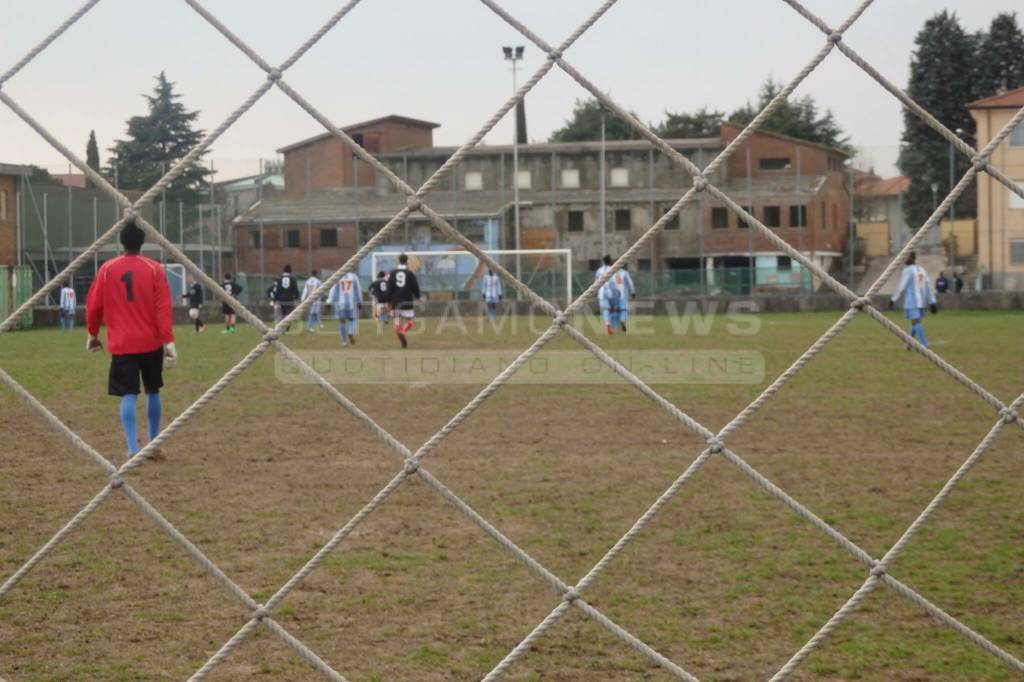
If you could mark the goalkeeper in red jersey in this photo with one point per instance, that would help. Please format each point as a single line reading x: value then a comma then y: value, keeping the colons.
x: 130, y: 295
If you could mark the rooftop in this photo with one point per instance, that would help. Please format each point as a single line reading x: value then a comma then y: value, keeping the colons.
x: 1012, y: 99
x: 356, y: 127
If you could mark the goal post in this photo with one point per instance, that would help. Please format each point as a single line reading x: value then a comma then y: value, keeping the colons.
x: 547, y: 272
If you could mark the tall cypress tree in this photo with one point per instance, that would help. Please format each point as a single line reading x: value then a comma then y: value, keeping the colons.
x: 92, y: 155
x: 943, y: 81
x: 156, y: 141
x: 1001, y: 56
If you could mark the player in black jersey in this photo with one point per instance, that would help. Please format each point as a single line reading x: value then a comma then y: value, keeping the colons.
x: 403, y: 292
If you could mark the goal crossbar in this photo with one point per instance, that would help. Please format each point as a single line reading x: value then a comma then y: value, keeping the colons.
x: 566, y: 253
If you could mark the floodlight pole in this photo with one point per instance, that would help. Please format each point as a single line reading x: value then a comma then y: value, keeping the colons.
x: 515, y: 55
x: 603, y: 208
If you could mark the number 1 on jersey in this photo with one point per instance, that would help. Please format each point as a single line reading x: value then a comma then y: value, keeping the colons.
x: 127, y: 279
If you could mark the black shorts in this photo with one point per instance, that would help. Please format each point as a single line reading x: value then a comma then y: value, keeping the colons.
x: 226, y: 309
x: 287, y: 307
x: 125, y: 371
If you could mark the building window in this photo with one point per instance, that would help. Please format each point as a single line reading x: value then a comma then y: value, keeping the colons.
x: 784, y: 263
x: 1015, y: 199
x: 525, y: 179
x: 774, y: 163
x: 474, y: 180
x: 672, y: 224
x: 740, y: 222
x: 1017, y: 251
x: 773, y: 216
x: 623, y: 219
x: 835, y: 217
x: 620, y: 177
x: 644, y: 265
x: 328, y: 237
x: 3, y: 205
x: 594, y: 264
x: 571, y: 178
x: 575, y: 221
x: 292, y: 239
x: 358, y: 138
x: 255, y: 239
x: 719, y: 217
x: 798, y: 216
x: 1017, y: 136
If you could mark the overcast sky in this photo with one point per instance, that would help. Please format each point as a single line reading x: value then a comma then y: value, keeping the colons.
x: 441, y: 60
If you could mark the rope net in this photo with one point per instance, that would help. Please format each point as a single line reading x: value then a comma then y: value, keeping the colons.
x: 411, y: 463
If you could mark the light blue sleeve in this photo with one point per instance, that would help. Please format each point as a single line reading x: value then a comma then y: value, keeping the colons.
x: 357, y: 290
x: 501, y: 287
x: 905, y: 279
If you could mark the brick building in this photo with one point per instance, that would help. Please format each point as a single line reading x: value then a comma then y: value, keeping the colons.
x: 332, y: 202
x: 10, y: 175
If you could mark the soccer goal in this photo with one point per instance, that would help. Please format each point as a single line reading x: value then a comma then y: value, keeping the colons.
x: 547, y: 272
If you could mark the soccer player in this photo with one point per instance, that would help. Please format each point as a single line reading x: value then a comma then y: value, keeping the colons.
x: 194, y: 298
x: 284, y: 293
x: 603, y: 301
x: 130, y: 295
x: 490, y: 284
x: 624, y: 283
x: 347, y: 297
x: 607, y: 297
x: 403, y: 292
x: 379, y: 293
x: 68, y: 304
x: 230, y: 318
x: 917, y: 293
x: 313, y: 313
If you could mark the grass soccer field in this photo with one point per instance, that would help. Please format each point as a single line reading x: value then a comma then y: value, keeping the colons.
x: 725, y: 581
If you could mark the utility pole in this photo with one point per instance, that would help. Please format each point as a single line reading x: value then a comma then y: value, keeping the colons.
x: 515, y: 55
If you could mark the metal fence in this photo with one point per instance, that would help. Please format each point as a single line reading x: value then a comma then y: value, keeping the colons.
x: 569, y: 596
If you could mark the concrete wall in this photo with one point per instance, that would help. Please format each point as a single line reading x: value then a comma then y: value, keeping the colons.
x: 998, y: 223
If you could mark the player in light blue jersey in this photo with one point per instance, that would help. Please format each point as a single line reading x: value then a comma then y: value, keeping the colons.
x: 622, y: 281
x: 917, y: 293
x: 490, y: 285
x: 68, y: 304
x: 313, y: 313
x: 604, y: 300
x: 347, y: 297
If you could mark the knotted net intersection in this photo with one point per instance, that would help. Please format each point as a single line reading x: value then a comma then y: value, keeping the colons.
x: 570, y: 595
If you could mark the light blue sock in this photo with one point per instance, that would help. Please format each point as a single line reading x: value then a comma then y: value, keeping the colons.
x: 128, y: 422
x: 920, y: 335
x: 62, y: 325
x: 343, y: 330
x: 71, y: 324
x: 352, y: 327
x: 309, y: 323
x: 153, y: 409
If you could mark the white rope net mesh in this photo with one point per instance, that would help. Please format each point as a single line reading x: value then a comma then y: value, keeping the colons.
x: 571, y: 595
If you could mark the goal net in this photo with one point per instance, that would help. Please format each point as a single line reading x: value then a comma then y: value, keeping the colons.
x: 457, y: 275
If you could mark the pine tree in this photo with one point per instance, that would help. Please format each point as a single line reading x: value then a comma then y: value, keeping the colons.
x: 155, y: 142
x: 701, y: 123
x: 92, y: 155
x: 1001, y: 56
x: 798, y: 118
x: 585, y: 124
x: 943, y: 81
